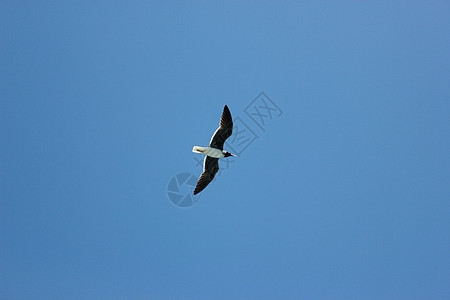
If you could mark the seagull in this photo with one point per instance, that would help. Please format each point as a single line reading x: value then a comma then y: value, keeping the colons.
x: 214, y: 151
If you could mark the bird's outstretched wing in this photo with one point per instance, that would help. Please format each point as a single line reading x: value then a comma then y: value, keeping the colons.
x: 210, y: 168
x: 224, y: 131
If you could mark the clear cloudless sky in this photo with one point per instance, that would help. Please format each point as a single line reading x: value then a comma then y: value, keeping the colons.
x: 345, y: 196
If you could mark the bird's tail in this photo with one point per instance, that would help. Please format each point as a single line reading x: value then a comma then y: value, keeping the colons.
x: 198, y: 149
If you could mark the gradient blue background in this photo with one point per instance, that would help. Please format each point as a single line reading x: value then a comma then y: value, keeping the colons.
x: 346, y: 196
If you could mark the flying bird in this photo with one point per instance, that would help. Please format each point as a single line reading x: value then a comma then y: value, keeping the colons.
x: 214, y: 151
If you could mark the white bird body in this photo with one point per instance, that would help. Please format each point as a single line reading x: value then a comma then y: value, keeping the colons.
x: 214, y: 151
x: 209, y: 151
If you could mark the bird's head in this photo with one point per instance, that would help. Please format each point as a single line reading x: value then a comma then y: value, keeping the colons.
x: 226, y: 153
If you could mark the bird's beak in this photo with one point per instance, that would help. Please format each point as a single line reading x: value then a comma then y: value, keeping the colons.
x: 233, y: 155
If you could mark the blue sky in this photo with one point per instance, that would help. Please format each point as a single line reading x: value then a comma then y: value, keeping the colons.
x: 344, y: 196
